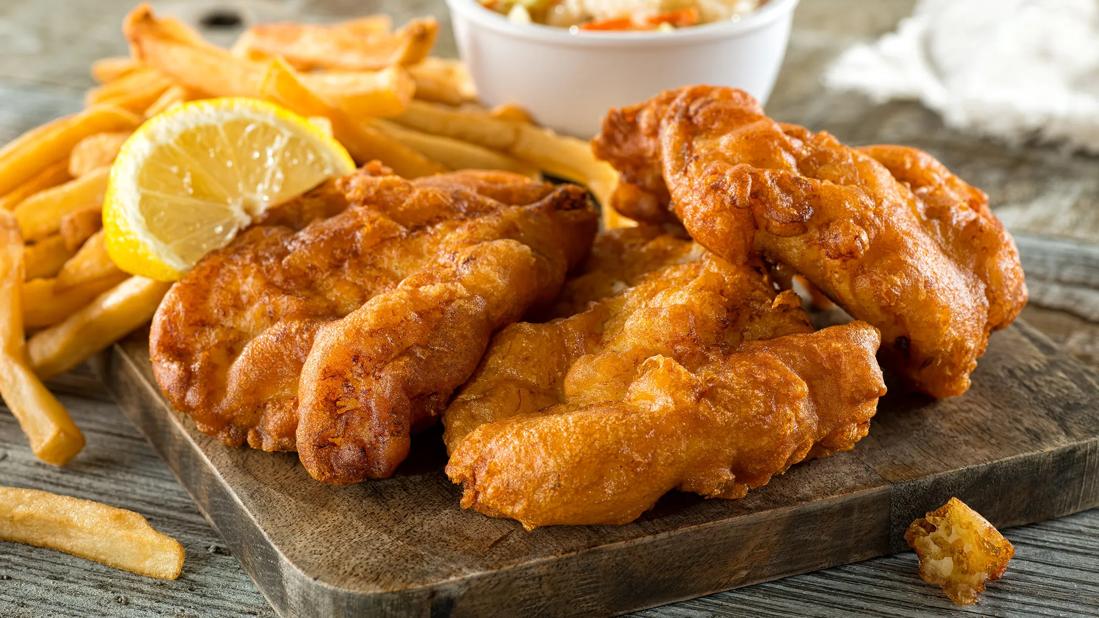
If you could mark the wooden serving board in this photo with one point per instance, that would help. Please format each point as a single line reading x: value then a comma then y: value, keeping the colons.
x: 1020, y: 447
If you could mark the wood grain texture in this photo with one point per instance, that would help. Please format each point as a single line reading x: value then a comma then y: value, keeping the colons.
x: 402, y: 547
x: 1042, y: 194
x: 118, y: 467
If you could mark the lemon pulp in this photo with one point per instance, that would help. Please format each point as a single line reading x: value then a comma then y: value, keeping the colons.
x: 188, y: 180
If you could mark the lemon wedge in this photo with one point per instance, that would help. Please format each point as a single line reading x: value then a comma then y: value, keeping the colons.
x: 188, y: 180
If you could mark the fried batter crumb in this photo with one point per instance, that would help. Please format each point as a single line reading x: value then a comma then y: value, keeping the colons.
x: 958, y: 550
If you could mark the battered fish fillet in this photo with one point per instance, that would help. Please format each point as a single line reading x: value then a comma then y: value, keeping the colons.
x: 371, y: 297
x: 887, y: 232
x: 673, y: 369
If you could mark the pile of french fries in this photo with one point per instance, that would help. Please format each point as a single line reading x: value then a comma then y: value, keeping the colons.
x: 377, y: 88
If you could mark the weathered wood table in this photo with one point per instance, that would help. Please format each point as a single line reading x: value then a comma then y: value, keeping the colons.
x: 1049, y: 199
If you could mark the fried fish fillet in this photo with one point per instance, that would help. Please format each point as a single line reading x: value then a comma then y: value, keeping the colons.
x: 887, y: 232
x: 671, y: 369
x: 343, y: 321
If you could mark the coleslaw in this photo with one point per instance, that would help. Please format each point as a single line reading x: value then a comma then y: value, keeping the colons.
x: 622, y: 15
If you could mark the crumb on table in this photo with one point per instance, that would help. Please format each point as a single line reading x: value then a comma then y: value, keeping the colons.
x: 958, y: 550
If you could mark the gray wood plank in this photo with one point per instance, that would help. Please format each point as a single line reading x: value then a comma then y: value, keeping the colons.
x: 117, y: 467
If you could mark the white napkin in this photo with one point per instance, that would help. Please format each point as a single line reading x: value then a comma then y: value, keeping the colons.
x: 1012, y: 69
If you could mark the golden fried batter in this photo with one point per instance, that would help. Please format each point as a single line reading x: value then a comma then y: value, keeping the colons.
x: 885, y: 231
x: 959, y: 550
x: 373, y: 297
x: 673, y: 369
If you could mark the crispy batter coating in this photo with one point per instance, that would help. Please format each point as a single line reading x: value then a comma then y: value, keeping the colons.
x: 672, y: 369
x: 959, y: 550
x: 373, y: 297
x: 885, y: 231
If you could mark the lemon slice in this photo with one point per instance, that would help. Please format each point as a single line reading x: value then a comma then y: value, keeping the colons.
x: 188, y: 180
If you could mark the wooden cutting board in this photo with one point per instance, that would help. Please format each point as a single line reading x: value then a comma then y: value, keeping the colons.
x: 1022, y: 446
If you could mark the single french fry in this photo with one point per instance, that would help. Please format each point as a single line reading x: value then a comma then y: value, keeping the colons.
x: 105, y: 534
x: 133, y: 80
x: 355, y: 46
x: 90, y: 264
x: 456, y: 154
x: 171, y: 96
x: 283, y: 85
x: 367, y: 25
x: 557, y: 155
x: 471, y: 125
x: 111, y: 316
x: 77, y: 227
x: 44, y: 306
x: 53, y: 437
x: 40, y: 214
x: 365, y: 93
x: 134, y: 91
x: 95, y: 151
x: 511, y: 111
x: 442, y: 80
x: 45, y: 257
x: 39, y: 148
x: 107, y: 70
x: 565, y: 157
x: 50, y: 176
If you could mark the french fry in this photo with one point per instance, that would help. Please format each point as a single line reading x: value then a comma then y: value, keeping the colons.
x: 171, y: 96
x: 77, y: 227
x: 108, y: 535
x: 95, y: 151
x: 177, y: 51
x: 283, y: 85
x: 134, y: 91
x: 53, y: 437
x: 367, y: 26
x: 365, y: 93
x: 470, y: 125
x: 357, y: 46
x: 90, y: 263
x: 107, y: 70
x: 40, y: 214
x: 30, y: 153
x: 44, y: 306
x: 50, y: 176
x: 215, y: 72
x: 566, y: 157
x: 456, y: 154
x: 557, y: 155
x: 45, y: 257
x: 511, y: 111
x: 442, y: 80
x: 108, y: 318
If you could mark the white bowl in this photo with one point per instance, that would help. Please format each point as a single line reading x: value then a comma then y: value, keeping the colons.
x: 568, y: 80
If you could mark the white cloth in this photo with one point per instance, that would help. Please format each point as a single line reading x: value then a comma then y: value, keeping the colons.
x: 1012, y: 69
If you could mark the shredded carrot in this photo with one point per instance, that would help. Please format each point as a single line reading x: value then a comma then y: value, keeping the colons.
x: 678, y: 18
x: 616, y: 23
